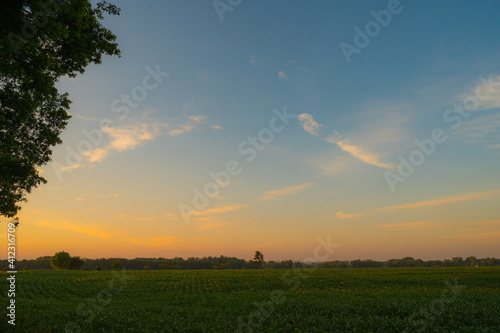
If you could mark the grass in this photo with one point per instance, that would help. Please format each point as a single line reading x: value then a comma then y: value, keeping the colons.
x: 322, y: 300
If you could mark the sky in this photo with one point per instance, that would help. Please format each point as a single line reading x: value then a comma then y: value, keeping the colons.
x: 233, y: 126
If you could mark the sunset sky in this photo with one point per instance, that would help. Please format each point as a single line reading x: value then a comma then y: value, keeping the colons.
x: 313, y: 119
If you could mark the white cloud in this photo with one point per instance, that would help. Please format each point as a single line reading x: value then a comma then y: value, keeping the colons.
x: 186, y: 128
x: 130, y: 136
x: 341, y: 215
x: 308, y: 123
x: 487, y: 92
x: 357, y: 152
x: 204, y: 215
x: 197, y: 119
x: 96, y: 155
x: 216, y: 127
x: 282, y: 75
x: 442, y: 201
x: 71, y: 167
x: 289, y: 190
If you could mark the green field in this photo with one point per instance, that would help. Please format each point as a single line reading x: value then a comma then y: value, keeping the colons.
x: 322, y: 300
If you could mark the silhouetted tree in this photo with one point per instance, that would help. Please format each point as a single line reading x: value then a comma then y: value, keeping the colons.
x: 41, y: 41
x: 470, y: 261
x: 258, y: 258
x: 61, y: 260
x: 116, y: 265
x: 76, y: 263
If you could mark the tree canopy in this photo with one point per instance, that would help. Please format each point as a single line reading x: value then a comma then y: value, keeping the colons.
x: 258, y: 258
x: 62, y: 260
x: 41, y: 41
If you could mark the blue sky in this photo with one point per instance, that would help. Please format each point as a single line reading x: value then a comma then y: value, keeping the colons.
x: 323, y: 174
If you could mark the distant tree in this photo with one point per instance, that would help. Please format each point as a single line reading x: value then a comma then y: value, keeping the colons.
x: 98, y: 268
x: 258, y: 258
x: 76, y: 263
x: 457, y: 261
x: 116, y: 265
x: 61, y: 260
x: 226, y: 265
x: 147, y: 267
x: 215, y: 267
x: 40, y: 42
x: 470, y: 261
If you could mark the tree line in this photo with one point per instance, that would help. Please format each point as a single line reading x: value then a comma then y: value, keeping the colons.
x: 223, y: 262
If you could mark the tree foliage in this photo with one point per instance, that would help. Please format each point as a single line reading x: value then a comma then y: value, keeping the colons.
x: 62, y: 260
x: 258, y: 258
x: 116, y: 265
x: 224, y: 262
x: 76, y: 263
x: 41, y: 41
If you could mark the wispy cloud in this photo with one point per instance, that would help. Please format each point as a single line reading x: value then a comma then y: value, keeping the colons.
x: 408, y: 225
x: 130, y: 136
x: 487, y: 93
x: 171, y: 216
x: 308, y: 123
x: 436, y: 202
x: 282, y: 75
x: 289, y: 190
x: 71, y: 167
x: 87, y: 229
x: 216, y: 127
x: 329, y: 166
x: 181, y: 129
x: 254, y: 60
x: 219, y: 210
x: 341, y: 215
x: 86, y: 118
x: 357, y: 152
x: 198, y: 118
x: 96, y: 155
x: 483, y: 129
x: 147, y: 218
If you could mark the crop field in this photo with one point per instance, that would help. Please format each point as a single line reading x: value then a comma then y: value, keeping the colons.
x: 321, y: 300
